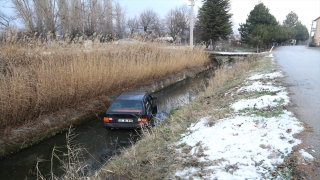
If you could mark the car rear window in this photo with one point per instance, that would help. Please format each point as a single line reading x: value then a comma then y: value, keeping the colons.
x: 126, y: 107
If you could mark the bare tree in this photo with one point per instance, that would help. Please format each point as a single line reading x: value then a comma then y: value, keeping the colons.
x: 108, y: 10
x: 149, y: 18
x: 4, y: 20
x: 133, y: 24
x: 38, y: 15
x: 156, y: 26
x: 177, y: 21
x: 93, y: 16
x: 64, y: 15
x: 120, y: 20
x: 46, y: 16
x: 75, y: 17
x: 51, y: 17
x: 185, y: 18
x: 24, y: 10
x: 82, y: 17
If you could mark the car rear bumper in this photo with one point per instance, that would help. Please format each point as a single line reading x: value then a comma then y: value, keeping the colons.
x: 124, y: 125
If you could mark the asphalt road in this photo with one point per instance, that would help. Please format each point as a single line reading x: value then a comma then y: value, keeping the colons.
x: 301, y: 66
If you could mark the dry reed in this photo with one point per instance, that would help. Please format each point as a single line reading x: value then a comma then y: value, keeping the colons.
x: 38, y: 78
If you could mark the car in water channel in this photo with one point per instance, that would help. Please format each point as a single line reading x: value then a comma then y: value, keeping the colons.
x: 131, y: 110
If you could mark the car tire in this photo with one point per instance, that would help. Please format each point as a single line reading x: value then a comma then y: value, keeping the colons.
x: 152, y: 123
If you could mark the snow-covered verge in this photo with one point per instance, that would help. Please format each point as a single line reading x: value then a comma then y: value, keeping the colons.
x: 251, y: 143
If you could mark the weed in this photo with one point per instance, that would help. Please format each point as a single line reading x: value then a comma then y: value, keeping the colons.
x: 285, y: 173
x: 262, y: 93
x: 196, y: 107
x: 275, y: 112
x: 186, y: 149
x: 70, y: 161
x: 44, y: 78
x: 219, y: 60
x: 171, y: 112
x: 246, y: 110
x: 281, y: 101
x: 181, y: 145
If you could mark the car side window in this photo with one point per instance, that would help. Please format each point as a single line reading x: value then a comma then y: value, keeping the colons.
x: 148, y: 107
x: 149, y: 99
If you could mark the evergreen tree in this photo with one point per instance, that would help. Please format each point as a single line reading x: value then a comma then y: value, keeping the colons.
x: 214, y: 20
x: 291, y: 20
x: 260, y: 27
x: 302, y: 33
x: 283, y: 33
x: 297, y: 30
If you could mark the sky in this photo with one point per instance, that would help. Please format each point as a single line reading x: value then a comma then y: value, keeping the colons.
x: 243, y: 145
x: 307, y: 10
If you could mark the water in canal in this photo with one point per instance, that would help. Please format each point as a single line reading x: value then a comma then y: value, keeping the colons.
x: 100, y: 144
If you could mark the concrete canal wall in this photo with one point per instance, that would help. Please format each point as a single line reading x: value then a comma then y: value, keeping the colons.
x: 49, y: 125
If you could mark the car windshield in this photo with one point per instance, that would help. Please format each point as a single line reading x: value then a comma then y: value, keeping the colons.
x: 126, y: 107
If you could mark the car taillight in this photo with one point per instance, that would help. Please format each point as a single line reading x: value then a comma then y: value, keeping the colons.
x: 108, y: 120
x: 142, y: 120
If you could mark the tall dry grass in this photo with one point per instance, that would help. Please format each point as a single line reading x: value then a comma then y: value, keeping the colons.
x: 41, y: 78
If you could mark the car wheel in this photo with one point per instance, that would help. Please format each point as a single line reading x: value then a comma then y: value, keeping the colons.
x: 152, y: 123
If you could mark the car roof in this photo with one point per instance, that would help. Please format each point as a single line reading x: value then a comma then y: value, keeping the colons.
x: 132, y: 96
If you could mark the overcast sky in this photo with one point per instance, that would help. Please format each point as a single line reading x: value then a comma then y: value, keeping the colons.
x: 307, y: 10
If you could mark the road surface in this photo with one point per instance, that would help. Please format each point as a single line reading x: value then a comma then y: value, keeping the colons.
x: 301, y: 66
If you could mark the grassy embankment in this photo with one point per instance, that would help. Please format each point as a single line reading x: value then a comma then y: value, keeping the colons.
x: 154, y: 157
x: 38, y: 78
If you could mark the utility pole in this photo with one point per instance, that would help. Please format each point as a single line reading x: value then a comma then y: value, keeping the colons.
x: 311, y: 30
x: 191, y: 24
x: 83, y: 19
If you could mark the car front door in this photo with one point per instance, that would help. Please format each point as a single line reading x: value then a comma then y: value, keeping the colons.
x: 148, y: 107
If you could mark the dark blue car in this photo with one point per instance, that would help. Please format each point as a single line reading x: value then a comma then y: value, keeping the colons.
x: 131, y: 110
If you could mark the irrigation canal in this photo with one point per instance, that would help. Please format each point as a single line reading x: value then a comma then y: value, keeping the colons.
x: 100, y: 144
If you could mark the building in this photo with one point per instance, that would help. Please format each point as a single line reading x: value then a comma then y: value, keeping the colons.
x: 317, y: 32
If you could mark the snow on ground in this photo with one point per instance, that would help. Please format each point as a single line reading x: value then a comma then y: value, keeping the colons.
x: 270, y: 55
x: 260, y: 87
x: 266, y: 76
x: 243, y: 146
x: 266, y: 101
x: 306, y: 155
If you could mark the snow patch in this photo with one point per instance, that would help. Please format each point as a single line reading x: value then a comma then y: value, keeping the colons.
x: 270, y: 55
x: 273, y: 75
x: 259, y: 86
x: 266, y: 101
x: 246, y: 146
x: 243, y: 146
x: 306, y: 155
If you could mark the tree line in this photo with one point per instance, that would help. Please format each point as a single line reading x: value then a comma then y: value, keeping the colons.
x: 86, y: 17
x: 261, y: 28
x: 213, y: 22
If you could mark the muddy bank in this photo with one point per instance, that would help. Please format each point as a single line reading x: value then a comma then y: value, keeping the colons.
x: 46, y: 126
